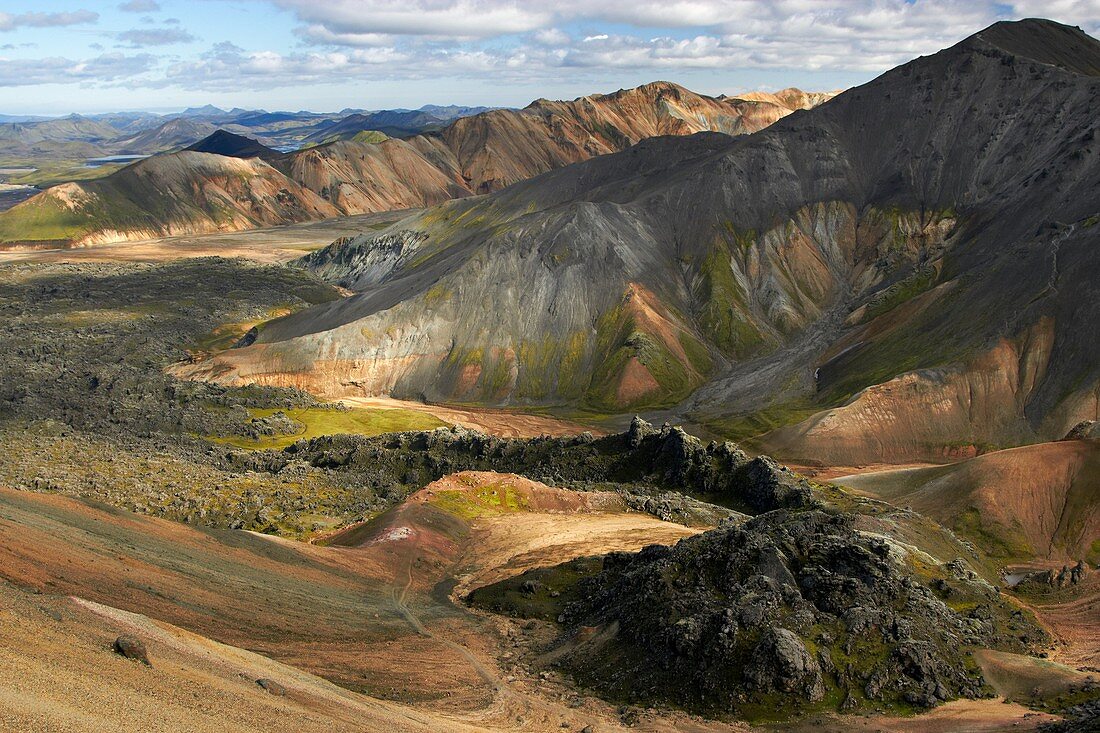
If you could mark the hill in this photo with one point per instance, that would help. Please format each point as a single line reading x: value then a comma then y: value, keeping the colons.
x: 1037, y: 502
x: 164, y: 195
x: 912, y: 257
x: 472, y: 155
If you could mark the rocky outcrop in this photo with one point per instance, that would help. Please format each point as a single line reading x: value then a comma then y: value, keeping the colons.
x: 644, y: 459
x: 1044, y: 581
x: 271, y: 687
x: 363, y: 262
x: 783, y: 611
x: 1084, y: 430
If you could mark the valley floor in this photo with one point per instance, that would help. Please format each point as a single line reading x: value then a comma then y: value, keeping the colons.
x: 374, y: 611
x: 272, y: 245
x: 365, y: 627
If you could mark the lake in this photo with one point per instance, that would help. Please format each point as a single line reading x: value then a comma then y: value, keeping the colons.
x: 112, y: 159
x: 12, y: 195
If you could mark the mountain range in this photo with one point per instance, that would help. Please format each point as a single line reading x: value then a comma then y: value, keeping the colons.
x: 901, y: 273
x: 188, y: 193
x: 58, y: 147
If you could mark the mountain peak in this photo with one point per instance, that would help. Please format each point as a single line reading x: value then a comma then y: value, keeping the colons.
x: 1067, y: 47
x: 222, y: 142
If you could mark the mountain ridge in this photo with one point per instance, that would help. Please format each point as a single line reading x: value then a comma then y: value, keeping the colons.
x: 811, y: 271
x: 471, y: 155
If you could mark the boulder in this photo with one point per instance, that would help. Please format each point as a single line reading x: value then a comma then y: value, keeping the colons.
x: 780, y: 662
x: 132, y: 647
x: 272, y: 687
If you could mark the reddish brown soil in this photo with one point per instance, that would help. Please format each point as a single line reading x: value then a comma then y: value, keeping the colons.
x: 371, y: 611
x: 1042, y: 500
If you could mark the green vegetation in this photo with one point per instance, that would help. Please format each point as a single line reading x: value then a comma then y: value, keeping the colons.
x: 227, y: 334
x: 51, y: 174
x: 320, y: 421
x: 542, y: 593
x: 437, y: 294
x: 766, y: 419
x: 1093, y: 556
x: 901, y: 291
x: 723, y: 318
x: 41, y: 219
x: 490, y: 499
x: 617, y: 344
x: 551, y: 363
x: 370, y: 136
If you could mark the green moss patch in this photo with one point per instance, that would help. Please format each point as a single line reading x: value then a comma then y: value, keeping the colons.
x: 320, y: 421
x: 722, y: 316
x: 542, y: 593
x: 487, y: 500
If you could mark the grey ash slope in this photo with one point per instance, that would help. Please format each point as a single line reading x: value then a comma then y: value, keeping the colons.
x: 931, y: 232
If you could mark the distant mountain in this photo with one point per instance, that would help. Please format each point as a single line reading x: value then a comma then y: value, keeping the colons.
x: 453, y: 111
x: 906, y: 272
x: 171, y: 135
x: 207, y: 110
x: 21, y: 118
x: 390, y: 122
x: 164, y: 195
x: 472, y: 155
x: 128, y: 122
x: 73, y: 136
x: 226, y: 143
x: 73, y: 128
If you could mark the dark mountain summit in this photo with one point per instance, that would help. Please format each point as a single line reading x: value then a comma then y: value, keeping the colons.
x: 1049, y: 43
x: 233, y: 146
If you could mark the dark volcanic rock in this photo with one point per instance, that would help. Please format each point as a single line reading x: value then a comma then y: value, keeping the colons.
x: 272, y: 687
x: 233, y: 146
x: 787, y: 609
x: 1084, y: 430
x: 645, y: 458
x: 132, y: 647
x: 1083, y: 718
x: 781, y: 662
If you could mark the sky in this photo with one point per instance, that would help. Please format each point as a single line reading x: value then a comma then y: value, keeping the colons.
x: 83, y: 56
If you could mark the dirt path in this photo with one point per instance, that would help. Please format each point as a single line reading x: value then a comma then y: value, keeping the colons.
x: 400, y: 591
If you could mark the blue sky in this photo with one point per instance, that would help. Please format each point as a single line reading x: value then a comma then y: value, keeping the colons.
x: 61, y: 56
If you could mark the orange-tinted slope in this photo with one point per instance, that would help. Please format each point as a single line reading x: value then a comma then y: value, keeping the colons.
x: 1036, y: 501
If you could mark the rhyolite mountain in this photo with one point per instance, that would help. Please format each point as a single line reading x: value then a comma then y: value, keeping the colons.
x: 471, y: 155
x: 906, y: 271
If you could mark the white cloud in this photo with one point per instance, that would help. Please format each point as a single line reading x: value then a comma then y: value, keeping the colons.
x: 9, y: 22
x: 530, y: 42
x: 439, y: 18
x: 140, y: 6
x: 106, y: 68
x: 141, y: 37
